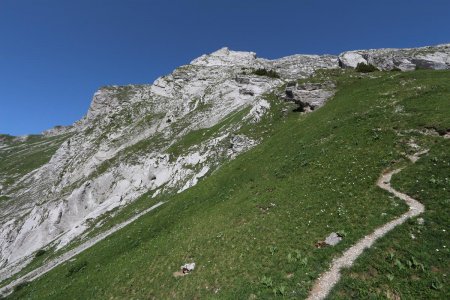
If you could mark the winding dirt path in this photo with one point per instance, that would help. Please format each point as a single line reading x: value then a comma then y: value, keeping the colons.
x: 38, y: 272
x: 328, y: 280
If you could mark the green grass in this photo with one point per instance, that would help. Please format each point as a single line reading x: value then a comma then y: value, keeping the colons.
x: 252, y: 225
x: 403, y: 266
x: 22, y: 157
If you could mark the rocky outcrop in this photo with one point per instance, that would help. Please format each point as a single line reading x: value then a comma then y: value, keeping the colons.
x: 239, y: 144
x: 309, y: 96
x: 433, y: 57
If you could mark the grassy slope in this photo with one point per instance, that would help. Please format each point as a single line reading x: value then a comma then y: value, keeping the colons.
x: 403, y: 267
x: 252, y: 225
x: 21, y: 157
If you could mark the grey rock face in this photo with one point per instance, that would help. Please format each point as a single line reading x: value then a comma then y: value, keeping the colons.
x: 434, y: 57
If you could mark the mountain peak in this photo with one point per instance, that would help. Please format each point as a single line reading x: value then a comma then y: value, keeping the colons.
x: 224, y: 57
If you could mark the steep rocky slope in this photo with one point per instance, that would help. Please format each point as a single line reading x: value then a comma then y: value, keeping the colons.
x: 160, y: 138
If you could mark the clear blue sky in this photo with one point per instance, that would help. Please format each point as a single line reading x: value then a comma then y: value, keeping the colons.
x: 54, y: 54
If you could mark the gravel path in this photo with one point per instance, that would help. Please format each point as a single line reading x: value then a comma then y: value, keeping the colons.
x: 328, y: 280
x: 36, y: 273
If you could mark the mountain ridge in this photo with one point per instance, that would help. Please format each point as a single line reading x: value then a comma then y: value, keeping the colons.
x: 343, y: 61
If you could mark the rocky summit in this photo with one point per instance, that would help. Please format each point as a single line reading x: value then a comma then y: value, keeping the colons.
x: 156, y: 139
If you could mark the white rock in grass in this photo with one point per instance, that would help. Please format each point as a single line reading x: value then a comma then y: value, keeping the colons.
x: 333, y: 239
x: 187, y: 268
x: 352, y: 59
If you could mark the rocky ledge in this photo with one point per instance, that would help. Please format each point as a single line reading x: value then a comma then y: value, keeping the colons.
x: 431, y: 57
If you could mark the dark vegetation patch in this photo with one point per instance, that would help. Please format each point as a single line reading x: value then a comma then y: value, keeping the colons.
x: 40, y: 252
x: 365, y: 68
x: 20, y: 286
x: 268, y: 73
x: 76, y: 267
